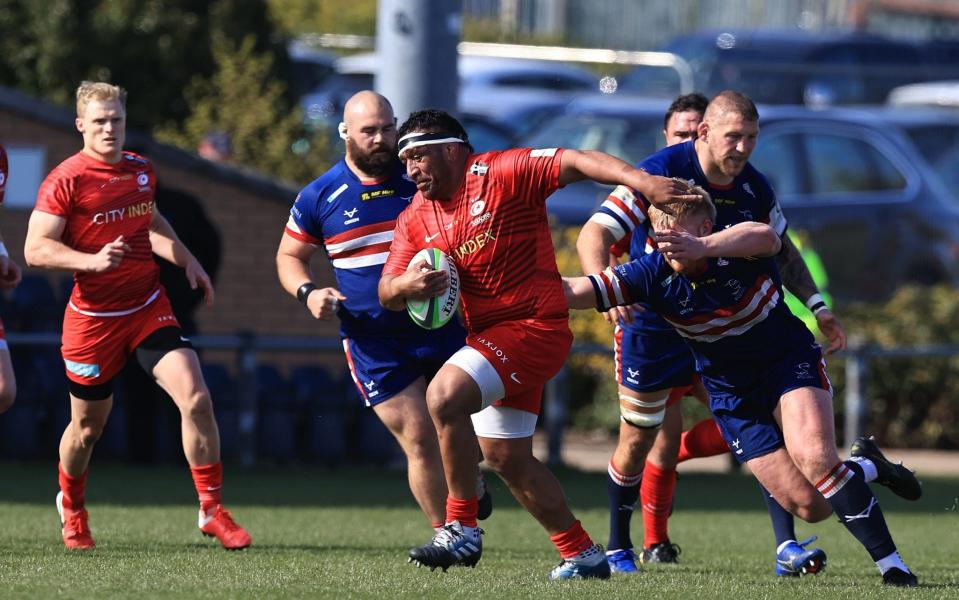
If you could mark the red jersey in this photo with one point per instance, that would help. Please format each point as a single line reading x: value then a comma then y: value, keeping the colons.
x: 4, y: 172
x: 101, y: 202
x: 495, y: 229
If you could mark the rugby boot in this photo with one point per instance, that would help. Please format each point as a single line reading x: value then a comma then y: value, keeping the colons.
x: 588, y: 564
x: 663, y: 552
x: 219, y: 524
x: 896, y: 477
x: 899, y: 578
x: 452, y: 545
x: 75, y: 527
x: 622, y: 561
x: 795, y: 560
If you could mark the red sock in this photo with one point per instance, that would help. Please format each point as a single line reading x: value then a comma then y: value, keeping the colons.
x: 703, y: 439
x: 572, y: 541
x: 463, y: 511
x: 436, y: 524
x: 74, y: 488
x: 208, y: 480
x: 656, y: 493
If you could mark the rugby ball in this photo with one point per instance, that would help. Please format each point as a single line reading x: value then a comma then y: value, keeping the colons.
x: 436, y: 312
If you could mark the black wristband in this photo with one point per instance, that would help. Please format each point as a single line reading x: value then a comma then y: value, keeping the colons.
x: 303, y: 292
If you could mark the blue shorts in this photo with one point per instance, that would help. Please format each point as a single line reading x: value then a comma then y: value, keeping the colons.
x: 745, y: 416
x: 385, y: 366
x: 649, y: 361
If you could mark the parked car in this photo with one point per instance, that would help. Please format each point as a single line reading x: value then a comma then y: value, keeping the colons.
x: 795, y: 67
x: 854, y: 182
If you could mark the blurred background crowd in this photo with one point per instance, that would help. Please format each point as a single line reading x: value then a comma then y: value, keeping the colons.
x: 237, y: 104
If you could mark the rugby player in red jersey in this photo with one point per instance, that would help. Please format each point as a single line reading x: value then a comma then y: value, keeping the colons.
x: 487, y: 212
x: 9, y: 278
x: 95, y: 216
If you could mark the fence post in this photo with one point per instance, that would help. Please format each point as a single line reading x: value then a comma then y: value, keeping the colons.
x: 246, y: 367
x: 857, y: 370
x: 557, y: 411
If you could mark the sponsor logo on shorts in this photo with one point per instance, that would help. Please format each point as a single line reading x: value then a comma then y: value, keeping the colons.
x: 164, y: 318
x: 515, y: 378
x: 632, y: 374
x: 494, y: 349
x: 369, y: 385
x: 736, y: 446
x: 802, y: 371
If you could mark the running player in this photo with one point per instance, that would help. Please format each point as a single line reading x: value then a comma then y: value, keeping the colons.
x: 654, y: 368
x: 95, y: 216
x: 9, y: 278
x: 487, y: 212
x: 764, y: 372
x: 351, y: 211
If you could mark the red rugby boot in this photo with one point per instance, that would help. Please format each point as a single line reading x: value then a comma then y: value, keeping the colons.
x: 76, y: 530
x: 219, y: 523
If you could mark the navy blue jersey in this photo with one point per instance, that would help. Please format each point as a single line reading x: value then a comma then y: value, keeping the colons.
x: 732, y: 317
x: 749, y: 197
x: 353, y: 219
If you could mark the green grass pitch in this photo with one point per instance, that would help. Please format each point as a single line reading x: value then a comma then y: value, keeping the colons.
x: 344, y: 534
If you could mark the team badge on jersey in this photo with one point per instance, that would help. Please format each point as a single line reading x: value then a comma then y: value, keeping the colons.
x: 479, y: 169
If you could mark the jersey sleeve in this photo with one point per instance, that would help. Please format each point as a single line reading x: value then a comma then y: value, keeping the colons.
x: 402, y: 250
x: 621, y: 212
x: 302, y: 224
x: 623, y: 284
x: 4, y: 172
x: 777, y: 219
x: 57, y: 194
x: 532, y: 174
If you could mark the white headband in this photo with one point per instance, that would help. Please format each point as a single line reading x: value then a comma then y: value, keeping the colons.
x: 421, y: 138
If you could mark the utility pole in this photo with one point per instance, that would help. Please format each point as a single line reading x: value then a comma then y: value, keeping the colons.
x: 416, y: 46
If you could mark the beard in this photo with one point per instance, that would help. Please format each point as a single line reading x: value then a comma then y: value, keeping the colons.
x: 378, y: 162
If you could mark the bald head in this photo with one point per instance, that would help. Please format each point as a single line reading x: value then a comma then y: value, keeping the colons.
x: 369, y: 129
x: 730, y: 103
x: 365, y: 103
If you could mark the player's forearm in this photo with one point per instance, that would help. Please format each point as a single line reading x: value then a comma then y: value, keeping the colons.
x: 795, y: 274
x: 391, y: 293
x: 743, y: 239
x: 598, y: 166
x: 579, y: 292
x: 47, y: 253
x: 166, y: 244
x: 592, y: 245
x: 292, y: 272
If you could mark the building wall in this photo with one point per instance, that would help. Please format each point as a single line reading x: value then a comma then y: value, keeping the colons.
x: 248, y: 294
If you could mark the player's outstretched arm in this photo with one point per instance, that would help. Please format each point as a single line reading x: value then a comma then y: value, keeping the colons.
x: 798, y: 280
x: 579, y: 292
x: 296, y: 277
x: 419, y: 282
x: 592, y: 245
x: 740, y: 240
x: 167, y: 245
x: 576, y: 165
x: 44, y: 248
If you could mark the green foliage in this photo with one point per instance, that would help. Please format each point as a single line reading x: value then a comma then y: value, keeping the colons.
x: 242, y: 100
x: 296, y: 17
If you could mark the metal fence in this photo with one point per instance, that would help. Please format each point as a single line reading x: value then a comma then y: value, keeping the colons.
x: 248, y: 349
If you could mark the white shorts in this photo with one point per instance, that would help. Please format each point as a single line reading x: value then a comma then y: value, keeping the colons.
x: 476, y: 366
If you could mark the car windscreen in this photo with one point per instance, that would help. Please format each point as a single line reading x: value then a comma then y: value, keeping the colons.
x: 939, y: 145
x: 630, y: 137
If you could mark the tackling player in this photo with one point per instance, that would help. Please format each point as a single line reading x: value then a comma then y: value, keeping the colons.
x: 653, y: 366
x: 764, y: 372
x: 95, y: 216
x: 487, y: 212
x: 351, y: 211
x: 9, y: 278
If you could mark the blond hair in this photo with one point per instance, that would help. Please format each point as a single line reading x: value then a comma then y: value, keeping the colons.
x: 683, y: 210
x: 98, y: 91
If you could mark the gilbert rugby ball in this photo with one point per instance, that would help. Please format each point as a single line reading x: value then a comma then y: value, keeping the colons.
x: 436, y: 312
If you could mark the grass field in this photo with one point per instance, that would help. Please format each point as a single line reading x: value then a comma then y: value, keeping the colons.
x: 344, y: 534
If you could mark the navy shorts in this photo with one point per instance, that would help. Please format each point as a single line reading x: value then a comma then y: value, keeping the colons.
x: 745, y: 416
x: 383, y: 366
x: 649, y: 361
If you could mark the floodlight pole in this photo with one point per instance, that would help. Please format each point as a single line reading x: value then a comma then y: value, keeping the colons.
x: 416, y: 43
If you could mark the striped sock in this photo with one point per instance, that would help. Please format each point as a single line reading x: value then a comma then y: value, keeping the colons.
x: 623, y: 492
x: 857, y: 508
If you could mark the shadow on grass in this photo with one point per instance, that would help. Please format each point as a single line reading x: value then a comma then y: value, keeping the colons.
x: 36, y: 483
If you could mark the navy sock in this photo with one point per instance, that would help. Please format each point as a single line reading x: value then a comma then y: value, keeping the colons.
x: 623, y: 493
x: 847, y: 492
x: 784, y: 524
